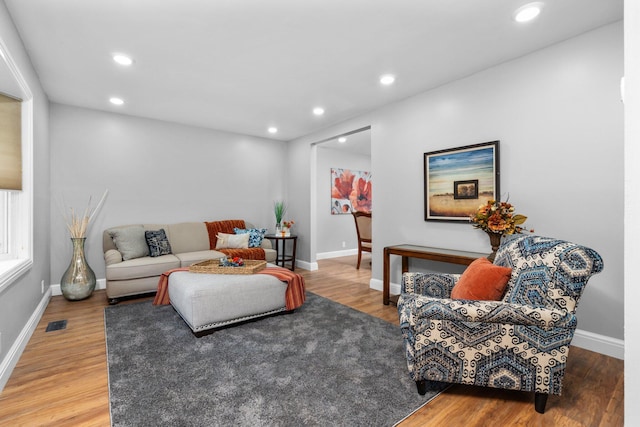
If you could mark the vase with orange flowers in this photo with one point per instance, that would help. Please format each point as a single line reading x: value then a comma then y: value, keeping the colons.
x: 286, y: 228
x: 498, y: 219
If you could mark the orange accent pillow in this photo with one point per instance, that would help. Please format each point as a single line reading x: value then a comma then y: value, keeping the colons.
x: 482, y: 281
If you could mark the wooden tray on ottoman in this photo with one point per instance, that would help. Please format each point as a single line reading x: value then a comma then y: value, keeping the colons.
x: 212, y: 266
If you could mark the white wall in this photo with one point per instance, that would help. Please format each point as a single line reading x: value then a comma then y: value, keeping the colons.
x: 558, y: 115
x: 156, y: 172
x: 22, y: 302
x: 335, y: 229
x: 632, y: 211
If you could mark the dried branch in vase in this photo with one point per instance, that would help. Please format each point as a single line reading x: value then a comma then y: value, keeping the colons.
x: 78, y: 225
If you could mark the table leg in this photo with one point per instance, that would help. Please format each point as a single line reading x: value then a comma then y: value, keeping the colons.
x: 278, y: 252
x: 293, y: 255
x: 385, y: 278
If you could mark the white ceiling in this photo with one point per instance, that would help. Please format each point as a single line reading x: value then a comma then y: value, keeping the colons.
x: 357, y: 142
x: 245, y: 65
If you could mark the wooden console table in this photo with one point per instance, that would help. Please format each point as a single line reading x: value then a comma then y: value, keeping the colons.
x: 451, y: 256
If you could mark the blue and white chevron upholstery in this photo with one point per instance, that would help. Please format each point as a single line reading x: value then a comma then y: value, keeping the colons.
x: 519, y: 343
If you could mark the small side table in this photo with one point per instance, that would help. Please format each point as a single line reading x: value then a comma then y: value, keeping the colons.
x: 281, y: 254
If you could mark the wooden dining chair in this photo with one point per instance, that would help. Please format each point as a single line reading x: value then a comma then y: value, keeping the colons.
x: 363, y: 228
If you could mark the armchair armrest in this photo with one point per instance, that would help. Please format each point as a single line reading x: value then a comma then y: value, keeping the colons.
x: 437, y: 285
x: 422, y: 308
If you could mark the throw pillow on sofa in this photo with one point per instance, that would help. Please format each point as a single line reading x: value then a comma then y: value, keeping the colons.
x: 157, y: 242
x: 130, y: 241
x: 256, y: 235
x: 232, y: 241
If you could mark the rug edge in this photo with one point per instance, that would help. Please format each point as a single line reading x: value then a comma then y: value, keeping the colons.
x: 423, y: 405
x: 106, y: 349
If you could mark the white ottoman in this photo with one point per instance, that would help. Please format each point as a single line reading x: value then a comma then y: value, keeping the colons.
x: 207, y: 301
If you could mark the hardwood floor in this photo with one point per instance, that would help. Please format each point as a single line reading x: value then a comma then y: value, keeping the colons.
x: 61, y: 378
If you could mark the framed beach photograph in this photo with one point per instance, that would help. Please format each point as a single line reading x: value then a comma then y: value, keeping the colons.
x: 458, y: 180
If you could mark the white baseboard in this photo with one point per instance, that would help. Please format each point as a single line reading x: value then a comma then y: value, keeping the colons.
x: 602, y: 344
x: 100, y: 284
x: 394, y: 288
x: 11, y: 359
x: 310, y: 266
x: 336, y: 254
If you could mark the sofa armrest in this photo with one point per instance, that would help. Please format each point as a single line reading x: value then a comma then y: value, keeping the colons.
x: 266, y: 244
x: 112, y: 256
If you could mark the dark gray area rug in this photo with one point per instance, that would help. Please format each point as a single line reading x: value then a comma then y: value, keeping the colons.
x: 324, y: 365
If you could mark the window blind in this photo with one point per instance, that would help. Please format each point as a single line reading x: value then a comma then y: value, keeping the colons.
x: 10, y: 143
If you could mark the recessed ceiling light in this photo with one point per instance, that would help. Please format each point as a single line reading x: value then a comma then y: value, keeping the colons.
x: 387, y: 79
x: 272, y: 129
x: 342, y: 140
x: 527, y: 12
x: 116, y: 101
x: 318, y: 111
x: 122, y: 59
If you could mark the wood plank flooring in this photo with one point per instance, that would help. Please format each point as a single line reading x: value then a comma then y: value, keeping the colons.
x: 61, y: 378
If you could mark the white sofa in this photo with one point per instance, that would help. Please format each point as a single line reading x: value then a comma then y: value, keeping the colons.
x: 189, y: 244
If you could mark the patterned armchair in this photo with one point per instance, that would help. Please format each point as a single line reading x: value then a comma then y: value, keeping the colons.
x: 518, y: 343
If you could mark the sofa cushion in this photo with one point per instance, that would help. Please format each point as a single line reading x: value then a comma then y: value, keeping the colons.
x: 130, y: 241
x: 142, y: 267
x: 188, y: 237
x: 157, y: 242
x: 232, y: 241
x: 188, y: 258
x: 256, y: 235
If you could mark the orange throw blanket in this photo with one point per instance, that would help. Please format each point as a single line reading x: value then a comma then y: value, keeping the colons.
x: 294, y: 295
x: 227, y: 227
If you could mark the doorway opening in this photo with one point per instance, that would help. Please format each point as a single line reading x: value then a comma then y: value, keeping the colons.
x: 333, y: 232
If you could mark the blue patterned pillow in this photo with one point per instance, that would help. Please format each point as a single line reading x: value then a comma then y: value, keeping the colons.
x: 158, y: 242
x: 255, y: 235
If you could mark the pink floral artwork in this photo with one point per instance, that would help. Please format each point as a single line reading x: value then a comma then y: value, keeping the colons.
x: 350, y: 191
